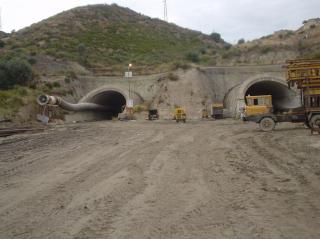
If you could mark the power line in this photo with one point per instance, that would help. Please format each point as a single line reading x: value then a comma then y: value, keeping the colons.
x: 165, y: 11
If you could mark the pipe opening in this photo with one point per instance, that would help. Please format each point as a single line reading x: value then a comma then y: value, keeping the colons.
x: 113, y: 100
x: 283, y: 98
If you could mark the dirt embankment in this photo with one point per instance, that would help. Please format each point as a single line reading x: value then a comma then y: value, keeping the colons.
x: 203, y: 179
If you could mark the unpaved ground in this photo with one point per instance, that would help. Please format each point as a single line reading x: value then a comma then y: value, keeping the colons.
x: 139, y: 180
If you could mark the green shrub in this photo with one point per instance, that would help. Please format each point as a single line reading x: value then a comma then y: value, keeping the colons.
x: 2, y: 44
x: 215, y: 36
x: 15, y: 72
x: 56, y: 84
x: 192, y: 56
x: 227, y: 46
x: 241, y: 41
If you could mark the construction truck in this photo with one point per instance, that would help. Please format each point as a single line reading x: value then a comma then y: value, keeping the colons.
x: 204, y: 114
x: 179, y: 115
x: 217, y: 111
x: 305, y: 75
x: 153, y: 114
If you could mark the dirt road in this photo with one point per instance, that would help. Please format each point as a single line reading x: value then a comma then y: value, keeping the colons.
x: 137, y: 180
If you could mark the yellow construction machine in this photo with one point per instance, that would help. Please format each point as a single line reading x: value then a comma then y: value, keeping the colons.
x: 179, y: 115
x: 217, y: 111
x: 204, y: 114
x: 305, y: 75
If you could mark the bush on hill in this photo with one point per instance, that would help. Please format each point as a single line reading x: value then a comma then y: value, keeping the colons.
x: 14, y: 72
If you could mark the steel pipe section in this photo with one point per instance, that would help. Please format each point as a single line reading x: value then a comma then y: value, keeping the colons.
x: 55, y: 100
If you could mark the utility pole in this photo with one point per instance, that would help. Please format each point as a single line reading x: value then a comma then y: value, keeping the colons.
x: 0, y: 18
x: 165, y: 11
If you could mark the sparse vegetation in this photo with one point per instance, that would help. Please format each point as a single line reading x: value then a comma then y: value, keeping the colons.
x: 193, y: 57
x: 12, y: 100
x: 15, y: 72
x: 109, y: 35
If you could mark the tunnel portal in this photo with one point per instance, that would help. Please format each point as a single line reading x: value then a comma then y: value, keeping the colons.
x: 112, y: 99
x: 283, y: 98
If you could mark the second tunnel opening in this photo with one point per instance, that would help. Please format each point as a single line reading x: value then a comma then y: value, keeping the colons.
x: 283, y: 98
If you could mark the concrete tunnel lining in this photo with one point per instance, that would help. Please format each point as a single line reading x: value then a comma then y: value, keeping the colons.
x: 283, y: 97
x: 113, y: 98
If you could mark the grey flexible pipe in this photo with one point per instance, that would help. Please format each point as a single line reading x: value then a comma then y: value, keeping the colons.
x: 55, y: 100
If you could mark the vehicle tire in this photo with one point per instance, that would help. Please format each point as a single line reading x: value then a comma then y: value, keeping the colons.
x: 315, y: 122
x: 267, y: 124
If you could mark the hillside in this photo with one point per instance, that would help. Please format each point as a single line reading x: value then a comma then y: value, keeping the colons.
x: 278, y: 47
x: 108, y: 36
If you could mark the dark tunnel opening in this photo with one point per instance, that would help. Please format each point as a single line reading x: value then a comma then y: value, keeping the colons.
x: 283, y: 98
x: 113, y: 100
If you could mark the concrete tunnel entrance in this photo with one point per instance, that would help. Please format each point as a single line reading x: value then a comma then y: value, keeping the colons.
x: 113, y: 100
x: 283, y: 98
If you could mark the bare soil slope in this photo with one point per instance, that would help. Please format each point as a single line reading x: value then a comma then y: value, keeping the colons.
x: 204, y: 179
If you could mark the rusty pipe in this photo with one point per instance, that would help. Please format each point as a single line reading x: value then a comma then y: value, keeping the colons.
x: 55, y: 100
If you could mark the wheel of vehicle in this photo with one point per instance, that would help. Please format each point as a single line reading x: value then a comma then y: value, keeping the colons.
x: 315, y: 122
x: 267, y: 124
x: 307, y: 123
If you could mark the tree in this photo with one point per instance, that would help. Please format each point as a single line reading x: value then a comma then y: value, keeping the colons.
x: 215, y: 36
x: 2, y: 44
x: 15, y: 72
x: 241, y: 41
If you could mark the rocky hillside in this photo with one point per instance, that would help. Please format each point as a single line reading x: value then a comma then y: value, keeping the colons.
x: 278, y: 47
x: 108, y: 36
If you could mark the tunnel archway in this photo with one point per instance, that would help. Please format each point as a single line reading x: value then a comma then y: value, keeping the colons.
x: 283, y: 98
x: 113, y: 99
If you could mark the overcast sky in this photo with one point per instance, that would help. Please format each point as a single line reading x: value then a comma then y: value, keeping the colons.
x: 233, y: 19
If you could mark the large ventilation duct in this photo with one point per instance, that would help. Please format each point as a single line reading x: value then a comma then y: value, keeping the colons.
x: 55, y: 100
x: 109, y: 103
